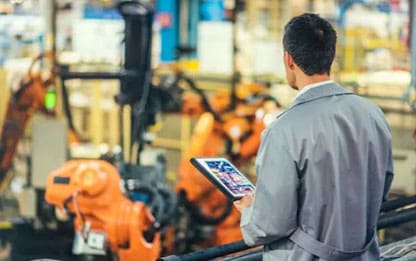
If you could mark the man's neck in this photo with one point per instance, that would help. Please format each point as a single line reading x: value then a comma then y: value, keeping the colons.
x: 302, y: 82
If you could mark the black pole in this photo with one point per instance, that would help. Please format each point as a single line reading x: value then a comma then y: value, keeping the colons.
x: 54, y: 14
x: 396, y: 218
x: 209, y: 253
x: 138, y: 20
x: 397, y: 203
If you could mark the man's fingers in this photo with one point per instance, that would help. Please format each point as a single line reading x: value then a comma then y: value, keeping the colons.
x: 237, y: 203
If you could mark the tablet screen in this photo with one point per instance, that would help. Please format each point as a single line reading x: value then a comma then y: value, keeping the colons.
x: 227, y: 175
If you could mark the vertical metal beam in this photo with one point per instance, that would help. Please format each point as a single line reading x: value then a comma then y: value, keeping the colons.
x: 183, y: 21
x: 412, y: 8
x: 4, y: 94
x: 275, y: 17
x: 193, y: 15
x: 54, y: 15
x: 96, y: 113
x: 412, y: 86
x: 49, y: 8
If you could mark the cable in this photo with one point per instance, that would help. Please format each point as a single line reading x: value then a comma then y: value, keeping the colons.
x: 78, y: 213
x: 137, y: 125
x: 85, y: 232
x: 204, y: 99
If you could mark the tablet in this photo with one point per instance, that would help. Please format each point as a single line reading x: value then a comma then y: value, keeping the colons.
x: 225, y: 176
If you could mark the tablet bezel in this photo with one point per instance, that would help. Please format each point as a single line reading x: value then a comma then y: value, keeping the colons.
x: 201, y: 165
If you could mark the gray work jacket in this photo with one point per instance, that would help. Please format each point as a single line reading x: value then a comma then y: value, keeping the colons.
x: 324, y: 166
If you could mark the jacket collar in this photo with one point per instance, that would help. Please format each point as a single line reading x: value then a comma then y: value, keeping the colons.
x: 328, y: 89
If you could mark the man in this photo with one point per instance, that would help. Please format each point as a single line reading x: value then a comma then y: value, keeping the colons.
x: 324, y: 164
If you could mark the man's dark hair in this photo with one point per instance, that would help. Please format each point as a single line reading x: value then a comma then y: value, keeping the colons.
x: 310, y: 40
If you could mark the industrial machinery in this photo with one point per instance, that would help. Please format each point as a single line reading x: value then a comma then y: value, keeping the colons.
x: 203, y: 217
x: 120, y: 207
x: 129, y: 220
x: 23, y: 103
x: 103, y: 215
x: 99, y: 206
x: 230, y: 124
x: 124, y: 207
x: 35, y: 94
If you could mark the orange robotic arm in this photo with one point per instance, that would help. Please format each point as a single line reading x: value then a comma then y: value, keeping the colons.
x: 236, y: 134
x: 90, y: 189
x: 21, y: 106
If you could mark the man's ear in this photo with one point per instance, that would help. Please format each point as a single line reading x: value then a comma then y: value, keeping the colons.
x: 289, y: 60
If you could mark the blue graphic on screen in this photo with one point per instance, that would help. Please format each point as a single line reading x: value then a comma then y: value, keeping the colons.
x: 230, y: 177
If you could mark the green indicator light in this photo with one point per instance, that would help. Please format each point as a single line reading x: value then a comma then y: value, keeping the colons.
x: 50, y: 100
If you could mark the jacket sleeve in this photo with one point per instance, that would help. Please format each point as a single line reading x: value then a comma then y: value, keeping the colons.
x: 273, y: 214
x: 389, y: 175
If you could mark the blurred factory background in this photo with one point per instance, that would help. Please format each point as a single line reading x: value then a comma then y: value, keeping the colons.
x: 144, y: 86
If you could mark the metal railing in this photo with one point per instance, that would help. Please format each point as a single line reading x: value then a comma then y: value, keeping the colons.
x: 393, y: 212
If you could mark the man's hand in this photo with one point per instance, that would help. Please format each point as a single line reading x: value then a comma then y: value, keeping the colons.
x: 244, y: 202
